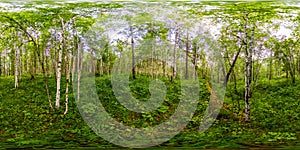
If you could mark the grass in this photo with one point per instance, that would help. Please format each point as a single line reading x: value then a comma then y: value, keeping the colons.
x: 27, y: 120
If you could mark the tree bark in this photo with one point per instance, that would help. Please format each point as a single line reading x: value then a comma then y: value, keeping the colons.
x: 59, y: 64
x: 79, y: 69
x: 174, y: 57
x: 67, y: 80
x: 232, y: 66
x: 248, y: 73
x: 186, y: 56
x: 92, y: 61
x: 132, y: 53
x: 16, y: 66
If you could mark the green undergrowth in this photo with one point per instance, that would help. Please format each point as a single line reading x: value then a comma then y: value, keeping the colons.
x: 27, y: 120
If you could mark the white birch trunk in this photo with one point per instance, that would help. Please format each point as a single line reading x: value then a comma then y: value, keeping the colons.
x: 67, y: 80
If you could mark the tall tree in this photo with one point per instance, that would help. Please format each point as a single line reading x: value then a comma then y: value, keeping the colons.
x: 132, y: 53
x: 18, y: 21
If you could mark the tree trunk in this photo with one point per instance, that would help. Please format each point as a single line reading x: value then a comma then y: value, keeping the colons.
x: 92, y: 61
x: 20, y: 64
x: 232, y: 66
x: 235, y: 89
x: 75, y: 50
x: 46, y: 64
x: 13, y: 59
x: 164, y: 68
x: 132, y: 52
x: 165, y: 64
x: 79, y: 68
x: 157, y: 61
x: 67, y: 80
x: 194, y: 61
x: 270, y: 66
x: 54, y: 60
x: 59, y: 64
x: 248, y: 74
x: 73, y: 66
x: 292, y: 68
x: 101, y: 66
x: 186, y: 56
x: 108, y: 63
x: 45, y: 77
x: 38, y: 65
x: 26, y: 65
x: 16, y: 49
x: 174, y: 57
x: 257, y: 73
x: 4, y: 64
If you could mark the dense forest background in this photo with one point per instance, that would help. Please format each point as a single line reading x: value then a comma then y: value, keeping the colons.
x: 50, y: 49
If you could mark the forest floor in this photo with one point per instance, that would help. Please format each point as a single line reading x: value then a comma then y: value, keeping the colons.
x: 26, y: 121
